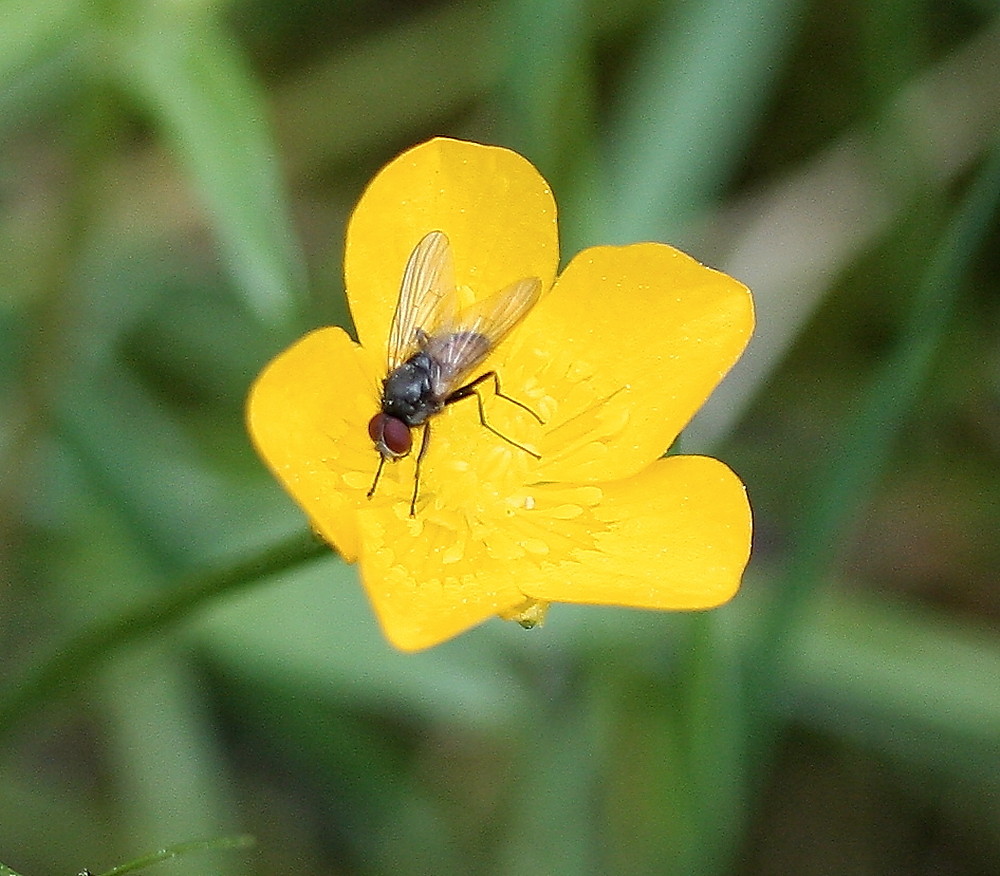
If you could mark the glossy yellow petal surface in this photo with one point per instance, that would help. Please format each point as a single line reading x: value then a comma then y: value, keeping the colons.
x: 308, y: 416
x: 495, y: 208
x: 622, y: 352
x: 674, y: 536
x: 428, y: 582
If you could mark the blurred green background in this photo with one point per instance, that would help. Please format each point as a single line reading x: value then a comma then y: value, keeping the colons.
x: 175, y: 179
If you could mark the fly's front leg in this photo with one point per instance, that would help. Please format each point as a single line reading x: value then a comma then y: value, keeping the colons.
x: 424, y: 444
x: 378, y: 474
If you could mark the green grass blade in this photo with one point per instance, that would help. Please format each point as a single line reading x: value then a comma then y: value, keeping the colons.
x: 401, y: 75
x: 227, y: 842
x: 552, y: 824
x: 548, y: 46
x: 698, y: 89
x: 845, y: 484
x: 190, y: 75
x: 339, y: 653
x: 900, y: 679
x: 75, y: 659
x: 548, y: 90
x: 29, y: 30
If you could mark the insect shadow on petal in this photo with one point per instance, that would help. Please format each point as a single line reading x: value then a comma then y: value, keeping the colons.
x: 434, y: 346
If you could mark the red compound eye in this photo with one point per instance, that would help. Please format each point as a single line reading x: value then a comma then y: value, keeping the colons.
x: 391, y: 436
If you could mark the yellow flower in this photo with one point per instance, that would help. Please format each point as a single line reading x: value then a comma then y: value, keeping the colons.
x: 615, y: 358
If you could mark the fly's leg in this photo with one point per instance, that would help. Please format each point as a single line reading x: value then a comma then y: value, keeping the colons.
x: 424, y: 444
x: 497, y: 432
x: 469, y: 388
x: 472, y: 388
x: 378, y: 474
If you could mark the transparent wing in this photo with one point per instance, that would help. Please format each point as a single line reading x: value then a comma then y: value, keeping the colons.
x: 427, y: 298
x: 478, y: 330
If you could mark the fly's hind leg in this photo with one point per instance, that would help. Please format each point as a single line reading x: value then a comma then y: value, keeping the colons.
x: 520, y: 404
x: 472, y: 388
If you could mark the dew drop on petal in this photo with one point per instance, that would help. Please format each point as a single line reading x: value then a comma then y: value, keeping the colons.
x: 415, y: 525
x: 535, y: 546
x: 502, y: 547
x: 357, y: 480
x: 614, y: 421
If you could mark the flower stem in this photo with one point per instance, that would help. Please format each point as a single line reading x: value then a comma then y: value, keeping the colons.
x: 225, y: 842
x: 73, y: 660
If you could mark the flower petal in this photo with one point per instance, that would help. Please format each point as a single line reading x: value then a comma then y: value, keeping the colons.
x: 428, y: 584
x: 307, y: 414
x: 598, y: 379
x: 675, y: 536
x: 621, y: 353
x: 495, y: 208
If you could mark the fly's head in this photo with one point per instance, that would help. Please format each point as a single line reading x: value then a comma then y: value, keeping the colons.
x: 390, y: 435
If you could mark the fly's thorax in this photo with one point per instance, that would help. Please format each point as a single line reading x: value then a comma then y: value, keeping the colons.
x: 408, y: 393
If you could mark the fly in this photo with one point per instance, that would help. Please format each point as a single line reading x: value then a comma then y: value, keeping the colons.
x: 434, y: 347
